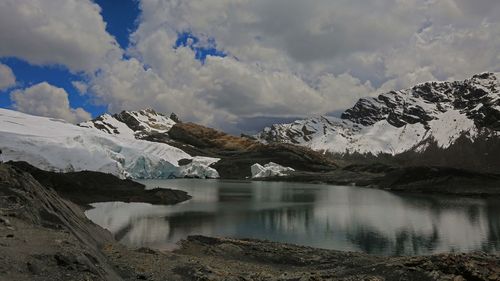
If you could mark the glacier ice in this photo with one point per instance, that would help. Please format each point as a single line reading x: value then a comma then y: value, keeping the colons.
x: 55, y: 145
x: 199, y: 168
x: 269, y: 170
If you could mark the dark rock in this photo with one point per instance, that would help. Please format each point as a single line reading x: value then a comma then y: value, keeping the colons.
x: 204, y: 240
x: 34, y: 268
x: 90, y: 187
x: 175, y: 118
x: 440, y: 180
x: 66, y: 260
x: 184, y: 162
x: 129, y: 120
x: 5, y: 221
x: 146, y: 250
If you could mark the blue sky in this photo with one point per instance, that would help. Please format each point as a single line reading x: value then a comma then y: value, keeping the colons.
x: 121, y: 18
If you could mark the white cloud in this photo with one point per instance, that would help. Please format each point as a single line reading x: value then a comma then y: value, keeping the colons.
x: 285, y: 57
x: 44, y: 99
x: 7, y: 78
x: 296, y: 58
x: 80, y: 86
x: 344, y: 90
x: 259, y: 81
x: 66, y: 32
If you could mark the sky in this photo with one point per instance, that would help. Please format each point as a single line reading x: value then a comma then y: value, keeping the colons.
x: 236, y: 65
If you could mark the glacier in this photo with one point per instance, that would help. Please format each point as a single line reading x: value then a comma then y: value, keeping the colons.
x: 199, y: 168
x: 55, y: 145
x: 269, y: 170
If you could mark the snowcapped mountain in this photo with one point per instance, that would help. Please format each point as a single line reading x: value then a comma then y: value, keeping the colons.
x: 401, y: 121
x: 133, y: 124
x: 56, y: 145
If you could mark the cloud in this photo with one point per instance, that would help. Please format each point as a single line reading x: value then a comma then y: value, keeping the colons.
x: 46, y: 100
x: 80, y: 86
x: 65, y: 32
x: 224, y: 90
x: 343, y: 90
x: 290, y: 58
x: 7, y: 78
x: 220, y: 92
x: 285, y: 58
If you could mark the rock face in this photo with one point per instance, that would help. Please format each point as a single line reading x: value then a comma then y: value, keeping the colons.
x: 133, y: 124
x: 402, y: 121
x: 47, y: 254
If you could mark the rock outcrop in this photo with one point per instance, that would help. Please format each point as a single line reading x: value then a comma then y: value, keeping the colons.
x: 47, y: 238
x: 238, y: 154
x: 89, y: 187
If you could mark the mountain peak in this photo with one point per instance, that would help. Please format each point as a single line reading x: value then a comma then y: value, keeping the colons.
x: 175, y: 118
x: 132, y: 124
x: 398, y: 121
x: 486, y: 76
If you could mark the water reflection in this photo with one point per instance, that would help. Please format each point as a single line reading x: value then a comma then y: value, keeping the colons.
x: 342, y: 218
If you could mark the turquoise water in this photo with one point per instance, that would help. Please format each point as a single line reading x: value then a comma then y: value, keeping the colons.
x: 324, y: 216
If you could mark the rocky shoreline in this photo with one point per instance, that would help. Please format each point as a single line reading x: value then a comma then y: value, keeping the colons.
x: 88, y: 187
x: 46, y: 237
x: 421, y: 179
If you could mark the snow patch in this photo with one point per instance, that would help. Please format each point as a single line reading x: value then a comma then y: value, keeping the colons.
x: 144, y: 122
x: 450, y: 126
x: 109, y: 124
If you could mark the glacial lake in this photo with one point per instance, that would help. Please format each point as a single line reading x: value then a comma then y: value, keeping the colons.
x: 323, y: 216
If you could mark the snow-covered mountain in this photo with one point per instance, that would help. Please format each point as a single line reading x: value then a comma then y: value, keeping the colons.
x: 133, y: 124
x: 53, y: 144
x: 401, y: 121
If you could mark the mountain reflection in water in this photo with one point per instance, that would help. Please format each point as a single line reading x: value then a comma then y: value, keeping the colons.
x: 331, y: 217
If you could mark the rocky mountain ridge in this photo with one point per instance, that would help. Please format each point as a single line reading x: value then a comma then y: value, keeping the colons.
x: 236, y: 154
x: 402, y: 121
x: 133, y: 124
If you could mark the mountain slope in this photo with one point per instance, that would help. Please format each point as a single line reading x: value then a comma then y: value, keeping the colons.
x: 401, y: 121
x: 133, y: 124
x: 55, y: 145
x: 238, y: 154
x: 235, y: 154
